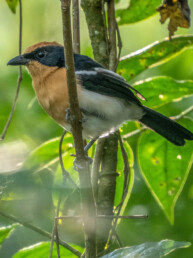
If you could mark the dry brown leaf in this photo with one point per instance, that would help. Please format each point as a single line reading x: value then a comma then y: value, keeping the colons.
x: 177, y: 11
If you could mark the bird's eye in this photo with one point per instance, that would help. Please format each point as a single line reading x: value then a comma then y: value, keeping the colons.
x: 41, y: 54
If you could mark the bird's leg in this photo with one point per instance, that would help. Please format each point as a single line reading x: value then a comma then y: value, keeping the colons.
x: 68, y: 115
x: 90, y: 144
x: 86, y: 148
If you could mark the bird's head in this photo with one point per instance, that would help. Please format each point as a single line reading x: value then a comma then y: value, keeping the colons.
x: 41, y: 56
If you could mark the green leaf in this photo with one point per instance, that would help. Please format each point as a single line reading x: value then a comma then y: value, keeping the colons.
x: 137, y: 10
x: 161, y: 90
x: 42, y: 249
x: 48, y: 153
x: 165, y: 167
x: 12, y: 4
x: 135, y: 63
x: 6, y: 231
x: 148, y: 250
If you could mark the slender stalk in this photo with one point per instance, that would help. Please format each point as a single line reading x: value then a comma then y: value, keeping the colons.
x: 107, y: 217
x: 112, y: 35
x: 55, y: 236
x: 65, y: 173
x: 76, y: 26
x: 20, y: 77
x: 87, y: 198
x: 40, y: 231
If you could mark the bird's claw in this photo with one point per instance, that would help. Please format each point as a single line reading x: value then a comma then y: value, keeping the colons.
x: 69, y: 118
x: 77, y: 166
x: 68, y: 115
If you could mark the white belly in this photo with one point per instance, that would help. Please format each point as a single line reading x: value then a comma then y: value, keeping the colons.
x: 112, y: 113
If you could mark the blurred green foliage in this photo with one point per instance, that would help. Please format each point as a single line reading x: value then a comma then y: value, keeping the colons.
x: 137, y: 10
x: 32, y: 191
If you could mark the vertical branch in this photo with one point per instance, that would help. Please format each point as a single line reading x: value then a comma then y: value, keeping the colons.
x: 88, y: 205
x: 96, y: 166
x: 19, y: 77
x: 106, y: 190
x: 76, y: 26
x: 107, y: 182
x: 107, y: 153
x: 112, y: 35
x: 93, y: 10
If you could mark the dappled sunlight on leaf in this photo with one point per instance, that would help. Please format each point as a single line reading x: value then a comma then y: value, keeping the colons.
x: 165, y: 167
x: 162, y: 90
x: 148, y: 250
x: 136, y: 62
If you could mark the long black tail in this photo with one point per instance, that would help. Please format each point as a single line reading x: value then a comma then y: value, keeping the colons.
x: 166, y: 127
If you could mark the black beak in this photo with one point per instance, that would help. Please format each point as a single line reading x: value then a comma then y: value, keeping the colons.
x: 19, y: 60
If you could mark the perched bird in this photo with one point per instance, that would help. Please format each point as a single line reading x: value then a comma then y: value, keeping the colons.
x: 106, y: 100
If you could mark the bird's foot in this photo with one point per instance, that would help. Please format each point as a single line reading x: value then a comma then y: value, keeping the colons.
x: 78, y: 166
x: 69, y: 117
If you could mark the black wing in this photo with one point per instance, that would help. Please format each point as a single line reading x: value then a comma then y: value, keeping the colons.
x: 105, y: 82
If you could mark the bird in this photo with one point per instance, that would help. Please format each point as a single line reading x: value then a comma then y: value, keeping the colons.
x: 106, y: 100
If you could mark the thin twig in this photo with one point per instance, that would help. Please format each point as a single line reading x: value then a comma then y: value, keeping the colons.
x: 112, y: 35
x: 76, y: 26
x: 107, y: 217
x: 55, y: 235
x: 20, y: 77
x: 57, y: 238
x: 125, y: 188
x: 137, y: 131
x: 120, y: 45
x: 40, y: 231
x: 87, y: 197
x: 117, y: 237
x: 52, y: 240
x: 65, y: 173
x: 183, y: 113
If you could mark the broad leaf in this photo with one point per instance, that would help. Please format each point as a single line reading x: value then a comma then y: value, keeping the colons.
x: 12, y: 4
x: 135, y: 63
x: 6, y: 231
x: 137, y: 10
x: 148, y: 250
x: 165, y: 167
x: 161, y: 90
x: 48, y: 153
x: 42, y: 249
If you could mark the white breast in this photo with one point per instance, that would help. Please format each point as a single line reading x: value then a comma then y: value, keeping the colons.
x: 114, y: 110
